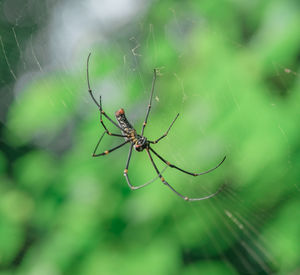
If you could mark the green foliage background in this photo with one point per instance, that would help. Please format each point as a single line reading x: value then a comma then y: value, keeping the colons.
x: 231, y: 69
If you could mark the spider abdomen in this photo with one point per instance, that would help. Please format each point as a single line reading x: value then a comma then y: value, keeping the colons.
x: 140, y: 143
x: 126, y: 128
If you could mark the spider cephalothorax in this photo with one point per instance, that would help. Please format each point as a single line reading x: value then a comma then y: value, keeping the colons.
x: 140, y: 143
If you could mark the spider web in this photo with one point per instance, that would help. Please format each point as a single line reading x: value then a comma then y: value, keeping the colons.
x: 49, y: 126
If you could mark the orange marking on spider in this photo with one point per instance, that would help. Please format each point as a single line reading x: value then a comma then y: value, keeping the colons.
x: 120, y: 112
x: 106, y: 152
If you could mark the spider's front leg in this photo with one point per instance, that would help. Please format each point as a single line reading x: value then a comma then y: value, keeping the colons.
x: 176, y: 192
x: 163, y: 179
x: 184, y: 171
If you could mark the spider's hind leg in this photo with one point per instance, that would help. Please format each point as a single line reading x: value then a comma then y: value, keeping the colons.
x: 107, y: 151
x: 102, y: 123
x: 99, y: 105
x: 150, y: 102
x: 132, y: 187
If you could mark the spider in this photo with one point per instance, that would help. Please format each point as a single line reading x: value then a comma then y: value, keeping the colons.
x: 139, y: 142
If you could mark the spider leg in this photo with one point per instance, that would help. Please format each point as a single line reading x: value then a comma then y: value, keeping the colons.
x: 150, y: 102
x: 132, y: 187
x: 184, y: 171
x: 94, y: 99
x: 103, y: 125
x: 166, y: 133
x: 103, y: 113
x: 107, y: 151
x: 176, y: 192
x: 88, y: 80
